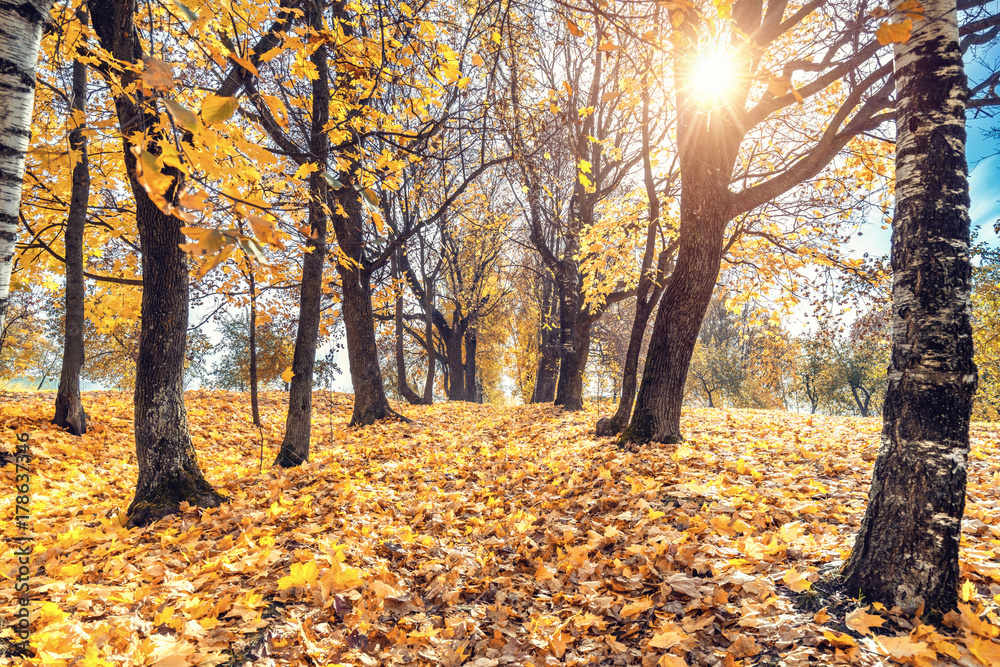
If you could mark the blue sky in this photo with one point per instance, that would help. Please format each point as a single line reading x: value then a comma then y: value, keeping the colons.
x: 983, y: 155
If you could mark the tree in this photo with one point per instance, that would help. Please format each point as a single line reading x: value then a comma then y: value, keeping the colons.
x: 273, y: 340
x: 21, y: 27
x: 69, y: 411
x: 298, y: 423
x: 906, y: 551
x: 711, y: 133
x: 168, y: 468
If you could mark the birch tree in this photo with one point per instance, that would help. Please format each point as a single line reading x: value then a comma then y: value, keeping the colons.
x: 906, y: 552
x: 20, y: 40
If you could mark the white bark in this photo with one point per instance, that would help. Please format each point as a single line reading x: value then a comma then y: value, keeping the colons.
x: 20, y: 40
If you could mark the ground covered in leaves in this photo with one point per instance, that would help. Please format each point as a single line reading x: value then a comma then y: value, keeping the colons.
x: 474, y: 536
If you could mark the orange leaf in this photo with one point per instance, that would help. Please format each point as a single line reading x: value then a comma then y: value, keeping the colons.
x: 894, y: 33
x: 861, y: 621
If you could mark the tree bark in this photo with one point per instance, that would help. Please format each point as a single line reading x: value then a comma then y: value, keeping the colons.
x: 402, y: 384
x: 20, y: 40
x: 574, y: 334
x: 429, y: 337
x: 370, y: 402
x: 453, y: 336
x: 168, y: 466
x: 647, y: 292
x: 548, y: 348
x: 69, y: 406
x: 254, y: 405
x: 471, y: 388
x: 906, y: 551
x: 298, y: 424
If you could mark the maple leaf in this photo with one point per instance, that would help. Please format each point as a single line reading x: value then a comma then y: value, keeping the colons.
x: 894, y: 33
x: 635, y: 608
x: 862, y: 622
x: 302, y: 574
x: 796, y: 581
x: 904, y: 647
x: 216, y: 109
x: 157, y: 74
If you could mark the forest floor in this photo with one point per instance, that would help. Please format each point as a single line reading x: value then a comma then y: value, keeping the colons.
x: 474, y: 536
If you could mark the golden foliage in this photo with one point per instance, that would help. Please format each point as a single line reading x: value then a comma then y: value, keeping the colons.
x: 497, y: 536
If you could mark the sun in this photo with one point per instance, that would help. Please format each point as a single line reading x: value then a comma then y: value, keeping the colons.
x: 713, y: 76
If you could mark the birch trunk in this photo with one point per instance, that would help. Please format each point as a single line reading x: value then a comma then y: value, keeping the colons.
x: 906, y: 551
x: 20, y: 40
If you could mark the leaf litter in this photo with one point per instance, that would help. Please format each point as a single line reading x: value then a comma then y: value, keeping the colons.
x: 480, y: 536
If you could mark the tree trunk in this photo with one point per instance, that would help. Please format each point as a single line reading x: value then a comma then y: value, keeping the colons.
x: 69, y: 406
x: 453, y: 337
x: 370, y: 402
x: 861, y: 402
x: 648, y: 290
x: 471, y: 388
x: 906, y: 551
x: 20, y: 41
x: 254, y: 406
x: 298, y: 424
x: 708, y: 151
x: 574, y: 335
x: 168, y: 467
x: 429, y: 336
x: 548, y: 348
x: 643, y: 309
x: 402, y: 384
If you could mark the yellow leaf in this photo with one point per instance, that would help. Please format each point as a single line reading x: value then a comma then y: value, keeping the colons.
x: 302, y: 574
x: 584, y: 166
x: 181, y: 115
x: 477, y: 60
x: 839, y: 639
x: 263, y: 229
x: 152, y: 180
x: 277, y: 109
x: 986, y: 651
x: 894, y: 33
x: 968, y: 591
x: 911, y: 9
x: 193, y: 200
x: 795, y: 581
x: 904, y: 647
x: 216, y: 109
x: 608, y: 46
x: 382, y: 589
x: 214, y: 261
x: 574, y: 28
x: 287, y: 374
x: 244, y: 63
x: 861, y: 621
x: 672, y: 661
x: 635, y: 608
x: 339, y: 578
x: 779, y: 85
x: 305, y: 169
x: 558, y: 643
x: 157, y: 74
x: 668, y: 639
